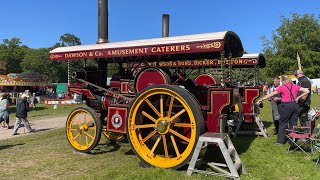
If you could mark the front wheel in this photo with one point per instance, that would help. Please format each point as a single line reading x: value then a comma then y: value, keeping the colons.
x: 163, y: 126
x: 83, y: 129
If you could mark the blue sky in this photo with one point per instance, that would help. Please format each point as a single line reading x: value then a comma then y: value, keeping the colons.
x: 40, y: 23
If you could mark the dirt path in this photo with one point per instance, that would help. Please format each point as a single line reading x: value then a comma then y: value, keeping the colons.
x: 39, y: 125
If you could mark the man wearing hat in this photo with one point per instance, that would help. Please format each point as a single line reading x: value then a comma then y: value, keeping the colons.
x: 304, y: 103
x: 22, y: 114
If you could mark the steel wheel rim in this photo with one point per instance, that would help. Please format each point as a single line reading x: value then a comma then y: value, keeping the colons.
x: 164, y: 136
x: 81, y: 129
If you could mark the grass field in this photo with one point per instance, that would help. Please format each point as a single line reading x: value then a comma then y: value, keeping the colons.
x: 47, y: 155
x: 44, y: 111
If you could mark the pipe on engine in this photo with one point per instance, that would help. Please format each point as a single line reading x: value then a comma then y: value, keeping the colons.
x: 165, y: 25
x: 102, y: 21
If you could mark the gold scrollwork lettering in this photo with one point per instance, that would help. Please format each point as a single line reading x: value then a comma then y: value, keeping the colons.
x: 55, y: 56
x: 210, y: 45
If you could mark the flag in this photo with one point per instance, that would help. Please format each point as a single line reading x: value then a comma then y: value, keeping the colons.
x: 298, y: 59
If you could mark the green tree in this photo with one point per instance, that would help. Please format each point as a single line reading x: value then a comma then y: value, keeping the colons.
x: 68, y: 39
x: 60, y: 68
x: 299, y: 33
x: 37, y: 60
x: 12, y: 52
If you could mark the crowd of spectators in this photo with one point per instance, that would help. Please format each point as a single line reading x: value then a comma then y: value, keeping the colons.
x: 289, y: 102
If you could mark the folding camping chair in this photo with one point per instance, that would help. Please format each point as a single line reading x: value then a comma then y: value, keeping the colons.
x: 300, y: 136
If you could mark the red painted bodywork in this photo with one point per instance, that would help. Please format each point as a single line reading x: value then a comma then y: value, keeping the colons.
x: 86, y: 92
x: 114, y: 84
x: 235, y: 62
x: 249, y: 95
x: 126, y: 87
x: 205, y: 79
x: 113, y: 112
x: 218, y: 100
x: 106, y: 100
x: 150, y: 77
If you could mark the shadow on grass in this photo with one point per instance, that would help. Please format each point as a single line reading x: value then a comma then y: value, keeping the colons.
x: 267, y: 124
x: 13, y: 109
x: 213, y: 153
x: 106, y: 148
x: 9, y: 146
x: 44, y: 129
x: 130, y: 153
x: 243, y: 142
x: 31, y: 124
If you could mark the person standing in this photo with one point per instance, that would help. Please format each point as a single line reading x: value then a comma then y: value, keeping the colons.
x: 22, y: 114
x: 4, y: 110
x: 304, y: 102
x: 288, y: 109
x: 33, y: 100
x: 275, y: 101
x: 265, y: 88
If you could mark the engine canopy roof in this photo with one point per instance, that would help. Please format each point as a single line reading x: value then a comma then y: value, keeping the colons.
x: 182, y: 47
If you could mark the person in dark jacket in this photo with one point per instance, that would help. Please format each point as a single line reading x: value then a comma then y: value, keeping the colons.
x: 304, y: 102
x: 22, y: 114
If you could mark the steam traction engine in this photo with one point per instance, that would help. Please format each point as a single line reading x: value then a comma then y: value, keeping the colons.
x: 162, y: 96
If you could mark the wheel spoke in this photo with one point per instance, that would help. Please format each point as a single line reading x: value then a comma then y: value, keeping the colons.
x: 87, y: 141
x: 161, y: 105
x: 165, y: 146
x: 177, y: 115
x: 89, y: 121
x: 148, y: 116
x: 170, y: 106
x: 144, y: 126
x: 74, y: 138
x: 185, y: 125
x: 80, y: 142
x: 79, y: 123
x: 85, y: 118
x: 175, y: 146
x: 88, y: 134
x: 149, y: 136
x: 155, y: 145
x: 73, y: 129
x: 179, y: 135
x: 153, y: 108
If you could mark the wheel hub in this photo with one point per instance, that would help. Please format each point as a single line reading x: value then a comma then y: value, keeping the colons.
x: 84, y: 128
x: 163, y: 126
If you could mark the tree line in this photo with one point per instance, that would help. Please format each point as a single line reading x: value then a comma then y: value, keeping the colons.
x: 297, y: 33
x: 20, y: 58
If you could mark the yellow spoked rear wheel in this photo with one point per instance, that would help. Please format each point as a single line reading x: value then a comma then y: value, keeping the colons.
x: 83, y: 129
x: 164, y: 124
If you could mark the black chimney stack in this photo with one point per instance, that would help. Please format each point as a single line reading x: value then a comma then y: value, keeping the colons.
x: 102, y: 38
x: 102, y: 21
x: 165, y: 25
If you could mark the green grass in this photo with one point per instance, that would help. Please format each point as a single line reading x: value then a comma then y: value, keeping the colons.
x: 47, y: 155
x: 43, y: 111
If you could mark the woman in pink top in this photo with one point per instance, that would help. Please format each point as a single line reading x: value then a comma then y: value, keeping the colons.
x: 288, y: 109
